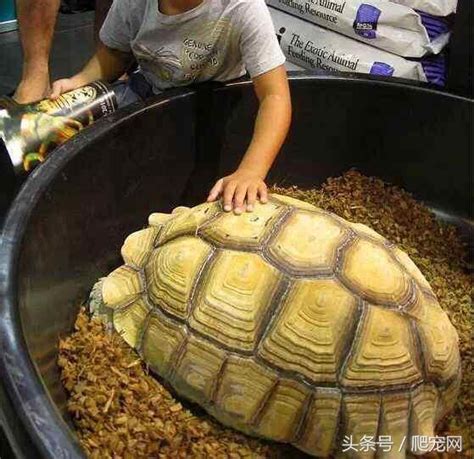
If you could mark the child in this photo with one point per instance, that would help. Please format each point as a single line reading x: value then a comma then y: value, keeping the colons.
x: 179, y: 42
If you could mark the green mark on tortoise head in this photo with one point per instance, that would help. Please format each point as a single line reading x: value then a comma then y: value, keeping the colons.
x: 96, y: 305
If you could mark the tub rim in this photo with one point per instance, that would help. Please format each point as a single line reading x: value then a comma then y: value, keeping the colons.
x: 38, y: 414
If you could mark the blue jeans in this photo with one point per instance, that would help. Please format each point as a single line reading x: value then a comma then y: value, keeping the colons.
x: 134, y: 89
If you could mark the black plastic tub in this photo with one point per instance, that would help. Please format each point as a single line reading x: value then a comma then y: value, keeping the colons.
x: 69, y: 220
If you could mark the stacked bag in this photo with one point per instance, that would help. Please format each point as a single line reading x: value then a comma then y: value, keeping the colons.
x: 401, y: 38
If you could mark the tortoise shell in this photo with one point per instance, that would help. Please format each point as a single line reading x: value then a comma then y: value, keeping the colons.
x: 287, y: 323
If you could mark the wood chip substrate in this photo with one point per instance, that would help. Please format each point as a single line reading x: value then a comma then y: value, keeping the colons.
x: 121, y: 411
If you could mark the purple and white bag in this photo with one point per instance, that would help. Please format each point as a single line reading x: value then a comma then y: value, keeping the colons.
x: 434, y: 7
x: 388, y: 26
x: 313, y: 47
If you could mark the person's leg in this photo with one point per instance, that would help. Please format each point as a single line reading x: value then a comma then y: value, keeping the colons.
x: 36, y: 19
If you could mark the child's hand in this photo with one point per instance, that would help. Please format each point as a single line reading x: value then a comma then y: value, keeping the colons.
x: 239, y: 191
x: 65, y: 85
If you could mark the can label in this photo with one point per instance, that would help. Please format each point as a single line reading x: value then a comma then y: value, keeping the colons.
x: 7, y: 102
x: 31, y: 132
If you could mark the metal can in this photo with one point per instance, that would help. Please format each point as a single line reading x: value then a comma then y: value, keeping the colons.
x: 30, y: 132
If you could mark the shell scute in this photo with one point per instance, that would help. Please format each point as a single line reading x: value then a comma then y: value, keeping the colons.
x: 243, y: 390
x: 369, y: 269
x: 121, y: 287
x: 138, y: 246
x: 384, y: 353
x: 187, y: 221
x: 308, y: 335
x: 284, y: 411
x: 198, y: 369
x: 361, y: 421
x: 320, y: 427
x: 307, y: 243
x: 439, y: 340
x: 233, y: 299
x: 130, y: 321
x: 246, y: 231
x: 162, y: 339
x: 172, y: 271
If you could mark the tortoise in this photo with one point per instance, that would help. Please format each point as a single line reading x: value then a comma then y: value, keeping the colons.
x: 287, y: 323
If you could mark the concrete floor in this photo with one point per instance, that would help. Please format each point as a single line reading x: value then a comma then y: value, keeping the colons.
x: 73, y: 32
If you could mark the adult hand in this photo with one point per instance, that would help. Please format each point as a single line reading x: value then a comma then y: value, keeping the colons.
x: 239, y: 191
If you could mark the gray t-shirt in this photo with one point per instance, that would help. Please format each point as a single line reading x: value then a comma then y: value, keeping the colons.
x: 217, y: 40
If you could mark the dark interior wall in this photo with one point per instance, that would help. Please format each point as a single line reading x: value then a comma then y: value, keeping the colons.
x: 174, y: 152
x: 78, y: 220
x: 69, y: 221
x: 106, y: 192
x: 418, y: 139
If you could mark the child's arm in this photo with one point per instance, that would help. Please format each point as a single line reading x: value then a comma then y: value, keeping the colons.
x: 263, y: 58
x: 107, y: 64
x: 271, y: 127
x: 114, y: 54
